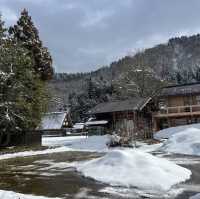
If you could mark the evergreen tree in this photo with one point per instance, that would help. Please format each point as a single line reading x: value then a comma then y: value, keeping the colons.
x: 91, y: 89
x: 22, y: 94
x: 197, y: 76
x: 178, y: 78
x: 25, y: 32
x: 2, y: 30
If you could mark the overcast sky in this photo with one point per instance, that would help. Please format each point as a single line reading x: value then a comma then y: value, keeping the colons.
x: 83, y: 35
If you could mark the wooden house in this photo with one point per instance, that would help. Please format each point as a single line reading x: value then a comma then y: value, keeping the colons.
x: 177, y: 105
x: 129, y: 117
x: 55, y: 123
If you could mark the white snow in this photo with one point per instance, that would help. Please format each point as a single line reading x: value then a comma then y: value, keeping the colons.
x: 61, y: 141
x: 133, y: 168
x: 33, y: 153
x: 168, y: 132
x: 97, y: 122
x: 184, y: 142
x: 148, y: 147
x: 14, y: 195
x: 79, y: 143
x: 123, y: 192
x: 64, y: 144
x: 197, y: 196
x: 53, y: 120
x: 79, y: 126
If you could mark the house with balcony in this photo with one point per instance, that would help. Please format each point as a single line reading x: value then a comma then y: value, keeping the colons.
x: 177, y: 105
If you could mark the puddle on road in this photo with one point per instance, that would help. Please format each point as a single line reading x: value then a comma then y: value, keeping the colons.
x: 51, y: 175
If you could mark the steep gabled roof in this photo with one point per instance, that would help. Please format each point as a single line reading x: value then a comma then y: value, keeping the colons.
x: 53, y: 120
x: 183, y: 89
x: 119, y: 106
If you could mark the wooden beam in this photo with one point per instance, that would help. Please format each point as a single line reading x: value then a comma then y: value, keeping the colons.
x: 177, y: 114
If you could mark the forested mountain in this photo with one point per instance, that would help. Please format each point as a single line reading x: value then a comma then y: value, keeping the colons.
x: 177, y: 61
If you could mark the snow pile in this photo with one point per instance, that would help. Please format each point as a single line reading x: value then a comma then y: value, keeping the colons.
x: 133, y: 168
x: 197, y: 196
x: 79, y: 143
x: 13, y: 195
x: 184, y: 142
x: 168, y: 132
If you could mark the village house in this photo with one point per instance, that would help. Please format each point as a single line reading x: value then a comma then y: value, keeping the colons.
x: 55, y: 123
x: 177, y: 105
x: 128, y: 118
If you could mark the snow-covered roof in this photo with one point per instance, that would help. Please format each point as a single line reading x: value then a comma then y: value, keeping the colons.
x: 78, y: 126
x: 97, y: 122
x: 53, y: 120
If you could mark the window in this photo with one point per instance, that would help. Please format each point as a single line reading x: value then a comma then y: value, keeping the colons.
x: 162, y: 103
x: 186, y: 101
x: 198, y: 99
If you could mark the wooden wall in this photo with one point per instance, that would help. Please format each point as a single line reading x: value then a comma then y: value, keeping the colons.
x: 172, y: 101
x: 29, y: 138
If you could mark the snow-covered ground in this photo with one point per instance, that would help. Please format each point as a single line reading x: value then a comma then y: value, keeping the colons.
x: 64, y: 144
x: 61, y: 141
x: 123, y: 167
x: 133, y: 168
x: 197, y: 196
x: 14, y: 195
x: 33, y: 153
x: 142, y: 146
x: 79, y: 143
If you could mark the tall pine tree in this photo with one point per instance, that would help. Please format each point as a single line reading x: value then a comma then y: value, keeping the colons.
x: 26, y: 32
x: 22, y: 93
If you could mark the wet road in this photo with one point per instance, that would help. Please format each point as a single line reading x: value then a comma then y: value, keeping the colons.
x: 52, y: 175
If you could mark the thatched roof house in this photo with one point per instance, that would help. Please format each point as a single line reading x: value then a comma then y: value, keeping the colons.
x: 55, y: 122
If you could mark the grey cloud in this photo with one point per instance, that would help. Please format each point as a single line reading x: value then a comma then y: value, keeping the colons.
x: 83, y: 35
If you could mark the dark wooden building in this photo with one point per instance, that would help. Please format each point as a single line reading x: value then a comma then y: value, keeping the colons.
x: 128, y: 118
x: 177, y: 105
